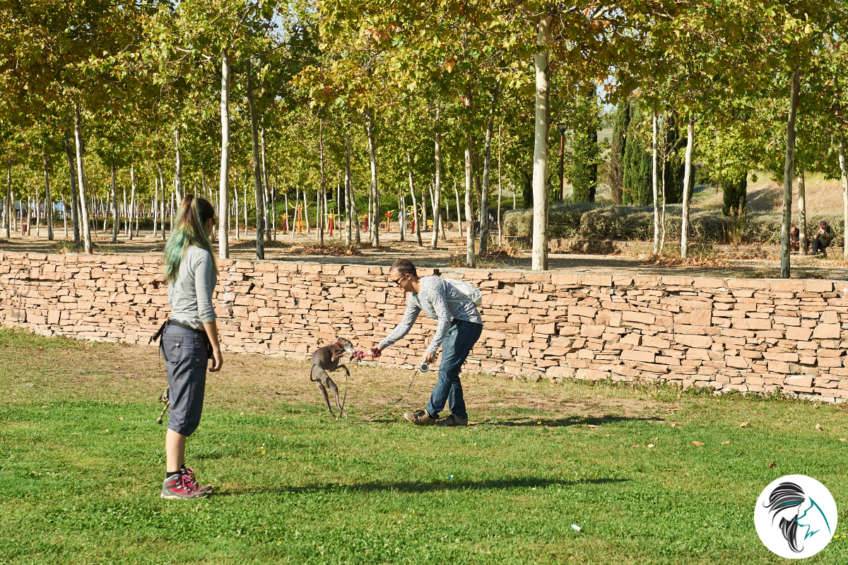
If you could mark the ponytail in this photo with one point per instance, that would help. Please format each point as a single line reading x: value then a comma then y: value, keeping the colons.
x: 190, y: 230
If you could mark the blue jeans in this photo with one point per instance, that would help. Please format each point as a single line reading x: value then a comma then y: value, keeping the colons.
x: 460, y: 338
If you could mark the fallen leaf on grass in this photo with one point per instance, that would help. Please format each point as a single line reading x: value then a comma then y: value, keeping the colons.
x: 726, y: 442
x: 698, y: 443
x: 745, y: 425
x: 819, y: 427
x: 651, y: 446
x: 772, y: 465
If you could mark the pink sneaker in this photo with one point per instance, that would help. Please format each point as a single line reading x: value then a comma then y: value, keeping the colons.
x: 190, y: 473
x: 182, y: 487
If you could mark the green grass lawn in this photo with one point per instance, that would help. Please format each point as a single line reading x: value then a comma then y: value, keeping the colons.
x: 81, y: 464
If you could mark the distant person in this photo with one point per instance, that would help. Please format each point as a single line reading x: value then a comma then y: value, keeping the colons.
x: 189, y: 338
x: 822, y: 239
x: 458, y: 327
x: 794, y: 238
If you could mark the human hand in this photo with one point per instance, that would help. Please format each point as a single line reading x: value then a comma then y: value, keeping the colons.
x: 429, y: 357
x: 217, y: 360
x: 375, y: 352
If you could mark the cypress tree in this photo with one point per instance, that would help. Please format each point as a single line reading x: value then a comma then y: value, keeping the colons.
x: 637, y: 164
x: 621, y: 122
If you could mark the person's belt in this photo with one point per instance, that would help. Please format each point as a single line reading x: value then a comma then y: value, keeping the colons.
x: 165, y: 324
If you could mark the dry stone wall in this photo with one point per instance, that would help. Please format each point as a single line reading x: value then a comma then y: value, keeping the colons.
x: 726, y: 334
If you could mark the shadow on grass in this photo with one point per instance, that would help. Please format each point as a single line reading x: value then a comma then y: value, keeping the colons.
x: 419, y: 487
x: 569, y: 421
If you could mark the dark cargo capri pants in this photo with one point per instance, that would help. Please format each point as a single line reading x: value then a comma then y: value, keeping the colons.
x: 186, y: 354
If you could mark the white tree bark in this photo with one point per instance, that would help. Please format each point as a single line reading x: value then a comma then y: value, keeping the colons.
x: 133, y: 215
x: 802, y: 213
x: 470, y: 258
x: 654, y: 182
x: 687, y: 180
x: 323, y: 186
x: 223, y: 187
x: 352, y: 223
x: 86, y: 228
x: 414, y: 203
x: 69, y: 153
x: 269, y: 194
x: 843, y: 169
x: 458, y: 213
x: 48, y: 201
x: 178, y: 169
x: 374, y: 221
x: 114, y: 193
x: 437, y: 184
x: 500, y: 189
x: 540, y: 149
x: 259, y: 186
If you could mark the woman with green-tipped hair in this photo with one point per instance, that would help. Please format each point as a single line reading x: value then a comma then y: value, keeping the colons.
x: 189, y: 338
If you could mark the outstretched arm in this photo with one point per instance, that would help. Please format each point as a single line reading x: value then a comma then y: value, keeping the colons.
x: 409, y: 317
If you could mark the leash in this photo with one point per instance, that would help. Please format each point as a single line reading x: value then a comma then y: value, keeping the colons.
x: 164, y: 398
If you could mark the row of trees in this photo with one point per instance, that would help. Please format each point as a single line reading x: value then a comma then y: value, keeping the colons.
x: 384, y: 104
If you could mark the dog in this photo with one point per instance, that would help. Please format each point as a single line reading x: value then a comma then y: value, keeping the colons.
x: 325, y: 360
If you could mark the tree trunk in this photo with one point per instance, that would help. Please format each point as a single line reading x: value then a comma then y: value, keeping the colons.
x: 788, y: 173
x: 843, y: 169
x: 258, y: 166
x: 48, y: 202
x: 802, y: 212
x: 155, y: 205
x: 500, y: 191
x: 86, y: 227
x: 133, y: 215
x: 458, y: 214
x: 402, y: 216
x: 540, y: 149
x: 114, y: 190
x: 322, y: 183
x: 163, y: 202
x: 351, y: 218
x: 437, y: 185
x: 374, y: 221
x: 178, y: 169
x: 125, y: 211
x: 414, y: 203
x: 65, y: 217
x: 306, y: 211
x: 654, y: 182
x: 244, y: 205
x: 424, y: 210
x: 661, y: 245
x: 687, y: 181
x: 74, y: 198
x: 484, y: 194
x: 470, y: 258
x: 269, y: 195
x: 8, y: 200
x: 223, y: 187
x: 236, y: 215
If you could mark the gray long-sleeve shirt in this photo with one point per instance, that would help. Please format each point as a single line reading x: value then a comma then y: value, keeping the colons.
x: 190, y: 295
x: 441, y: 302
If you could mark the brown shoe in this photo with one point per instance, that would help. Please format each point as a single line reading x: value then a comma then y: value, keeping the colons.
x: 453, y: 420
x: 419, y: 418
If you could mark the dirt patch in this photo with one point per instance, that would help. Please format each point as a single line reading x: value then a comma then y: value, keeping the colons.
x: 97, y: 371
